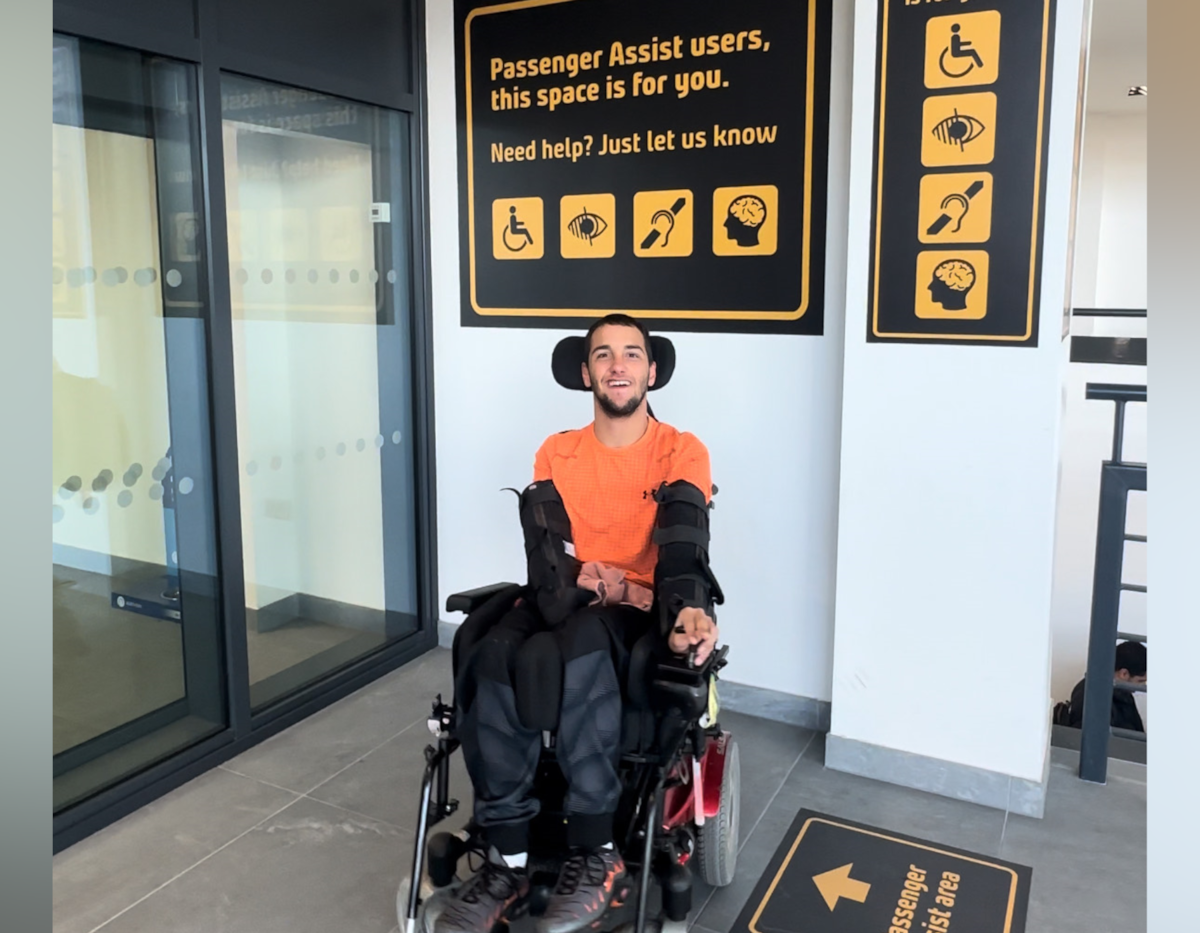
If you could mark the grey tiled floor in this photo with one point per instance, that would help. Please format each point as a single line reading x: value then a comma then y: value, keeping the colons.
x: 311, y: 831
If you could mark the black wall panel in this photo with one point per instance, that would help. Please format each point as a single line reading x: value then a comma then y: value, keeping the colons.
x: 360, y: 43
x: 174, y: 18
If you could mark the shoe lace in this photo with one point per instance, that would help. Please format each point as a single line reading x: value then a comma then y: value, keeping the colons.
x: 496, y: 879
x: 582, y: 867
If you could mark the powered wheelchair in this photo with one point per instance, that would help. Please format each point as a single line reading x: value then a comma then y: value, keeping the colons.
x: 680, y: 773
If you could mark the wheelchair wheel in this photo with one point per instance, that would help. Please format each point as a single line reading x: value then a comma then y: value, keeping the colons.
x: 717, y: 839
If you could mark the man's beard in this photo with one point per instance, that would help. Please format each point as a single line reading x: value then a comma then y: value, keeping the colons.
x: 618, y: 411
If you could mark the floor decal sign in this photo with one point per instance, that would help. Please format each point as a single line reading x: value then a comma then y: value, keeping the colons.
x: 961, y: 128
x: 831, y: 875
x: 664, y: 159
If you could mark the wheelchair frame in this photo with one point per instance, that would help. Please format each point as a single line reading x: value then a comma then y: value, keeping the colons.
x: 661, y: 790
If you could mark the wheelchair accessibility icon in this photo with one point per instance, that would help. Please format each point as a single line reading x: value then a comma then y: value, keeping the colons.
x: 520, y: 236
x: 962, y: 50
x: 518, y: 227
x: 959, y: 48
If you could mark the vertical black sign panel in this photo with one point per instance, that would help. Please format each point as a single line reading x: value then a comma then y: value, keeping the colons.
x: 664, y: 159
x: 962, y: 112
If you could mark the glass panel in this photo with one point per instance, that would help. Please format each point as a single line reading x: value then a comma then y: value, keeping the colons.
x: 316, y: 191
x: 137, y: 656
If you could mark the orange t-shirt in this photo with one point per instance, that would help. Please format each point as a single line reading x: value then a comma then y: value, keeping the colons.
x: 609, y: 491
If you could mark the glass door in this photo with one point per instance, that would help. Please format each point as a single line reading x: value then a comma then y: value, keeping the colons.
x: 138, y: 660
x: 316, y: 192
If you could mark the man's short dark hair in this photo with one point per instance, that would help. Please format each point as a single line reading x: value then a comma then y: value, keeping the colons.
x: 1131, y: 656
x: 622, y: 320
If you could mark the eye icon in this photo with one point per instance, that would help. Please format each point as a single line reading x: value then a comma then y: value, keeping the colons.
x: 958, y: 129
x: 587, y: 226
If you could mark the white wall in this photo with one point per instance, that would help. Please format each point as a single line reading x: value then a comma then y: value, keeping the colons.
x: 766, y: 407
x: 1110, y: 272
x: 1110, y: 243
x: 948, y: 484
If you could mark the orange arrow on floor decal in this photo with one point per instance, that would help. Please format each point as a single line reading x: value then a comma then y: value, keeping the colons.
x: 838, y: 883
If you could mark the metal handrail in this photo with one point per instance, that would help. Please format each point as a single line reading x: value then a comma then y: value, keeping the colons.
x: 1108, y: 312
x: 1121, y: 395
x: 1117, y: 479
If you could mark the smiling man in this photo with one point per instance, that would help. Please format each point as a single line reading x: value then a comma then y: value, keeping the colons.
x: 616, y: 540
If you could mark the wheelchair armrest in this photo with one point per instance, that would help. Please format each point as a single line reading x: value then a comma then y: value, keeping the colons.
x: 469, y: 600
x: 675, y: 667
x: 685, y: 688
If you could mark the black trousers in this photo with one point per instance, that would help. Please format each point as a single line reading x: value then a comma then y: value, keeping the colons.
x: 502, y: 754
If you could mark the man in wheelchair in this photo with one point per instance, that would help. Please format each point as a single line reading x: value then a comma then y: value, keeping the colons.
x: 616, y: 535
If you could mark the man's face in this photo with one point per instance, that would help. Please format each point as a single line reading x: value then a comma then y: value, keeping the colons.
x: 1129, y: 678
x: 618, y: 370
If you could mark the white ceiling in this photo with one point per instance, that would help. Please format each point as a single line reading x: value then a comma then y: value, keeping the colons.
x: 1116, y: 56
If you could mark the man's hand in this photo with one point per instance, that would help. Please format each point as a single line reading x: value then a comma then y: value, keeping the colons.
x: 694, y: 627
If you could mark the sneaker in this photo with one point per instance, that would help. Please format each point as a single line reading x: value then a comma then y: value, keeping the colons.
x: 584, y: 891
x: 484, y: 900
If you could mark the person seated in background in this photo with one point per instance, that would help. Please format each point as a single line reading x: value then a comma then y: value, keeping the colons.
x: 1130, y: 669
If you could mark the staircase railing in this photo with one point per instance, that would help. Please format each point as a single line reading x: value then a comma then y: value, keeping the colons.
x: 1118, y: 478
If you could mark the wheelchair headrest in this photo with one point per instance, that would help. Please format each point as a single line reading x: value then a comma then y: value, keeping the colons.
x: 571, y: 353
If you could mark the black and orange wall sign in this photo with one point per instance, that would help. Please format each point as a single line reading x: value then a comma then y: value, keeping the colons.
x: 962, y: 113
x: 663, y: 159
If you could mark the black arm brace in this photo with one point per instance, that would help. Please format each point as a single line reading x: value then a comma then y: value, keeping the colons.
x: 682, y: 576
x: 549, y: 553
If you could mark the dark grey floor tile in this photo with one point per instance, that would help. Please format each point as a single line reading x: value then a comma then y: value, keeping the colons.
x: 311, y: 869
x: 767, y: 751
x: 386, y: 784
x: 1088, y: 855
x: 916, y: 813
x: 312, y: 751
x: 418, y: 682
x: 105, y: 873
